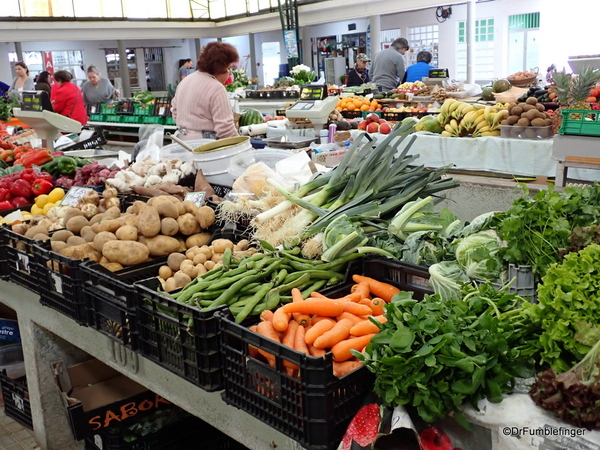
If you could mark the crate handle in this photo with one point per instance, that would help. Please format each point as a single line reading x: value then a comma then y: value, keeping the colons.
x: 264, y: 381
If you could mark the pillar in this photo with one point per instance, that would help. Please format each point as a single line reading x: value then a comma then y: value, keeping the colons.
x: 19, y: 51
x: 375, y: 36
x: 198, y: 45
x: 252, y: 45
x: 471, y: 41
x: 124, y: 69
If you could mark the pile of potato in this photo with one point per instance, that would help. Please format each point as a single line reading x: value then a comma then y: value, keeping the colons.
x: 182, y: 268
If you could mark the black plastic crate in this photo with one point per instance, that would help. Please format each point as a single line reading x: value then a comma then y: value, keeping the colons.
x: 94, y: 108
x: 394, y: 116
x: 19, y: 264
x: 351, y: 114
x: 109, y: 298
x: 314, y: 409
x: 179, y: 337
x: 125, y: 106
x: 189, y: 433
x: 97, y: 139
x: 60, y: 283
x: 162, y: 107
x: 16, y: 399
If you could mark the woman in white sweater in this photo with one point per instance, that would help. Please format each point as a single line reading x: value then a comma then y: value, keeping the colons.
x: 201, y: 106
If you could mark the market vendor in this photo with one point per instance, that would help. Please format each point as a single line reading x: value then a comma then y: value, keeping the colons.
x: 67, y: 99
x: 359, y: 74
x: 22, y: 82
x: 97, y: 89
x: 201, y: 107
x: 420, y: 70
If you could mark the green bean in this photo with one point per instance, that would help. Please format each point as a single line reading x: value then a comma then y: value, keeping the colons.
x: 341, y: 261
x: 254, y: 301
x: 266, y: 246
x: 313, y: 287
x: 243, y: 300
x: 226, y: 260
x: 285, y: 299
x: 279, y: 277
x: 263, y: 262
x: 250, y: 288
x: 304, y: 278
x: 272, y: 299
x: 227, y: 281
x: 292, y: 257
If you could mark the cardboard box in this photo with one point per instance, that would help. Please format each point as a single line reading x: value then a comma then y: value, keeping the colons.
x: 96, y: 396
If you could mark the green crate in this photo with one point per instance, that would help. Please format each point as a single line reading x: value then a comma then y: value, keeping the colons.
x: 366, y: 113
x: 113, y: 118
x: 580, y: 122
x: 108, y: 108
x: 142, y: 109
x: 153, y: 120
x: 97, y: 117
x: 170, y: 121
x: 131, y: 119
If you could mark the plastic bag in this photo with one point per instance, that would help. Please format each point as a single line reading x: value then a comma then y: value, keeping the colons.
x: 151, y: 140
x: 254, y: 179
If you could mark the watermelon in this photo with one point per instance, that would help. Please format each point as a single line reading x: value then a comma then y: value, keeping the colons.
x: 251, y: 117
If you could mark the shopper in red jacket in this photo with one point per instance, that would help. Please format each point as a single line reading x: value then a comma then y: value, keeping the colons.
x: 67, y: 99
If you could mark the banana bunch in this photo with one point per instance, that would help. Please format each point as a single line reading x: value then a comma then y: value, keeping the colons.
x: 471, y: 121
x: 491, y: 124
x: 452, y: 129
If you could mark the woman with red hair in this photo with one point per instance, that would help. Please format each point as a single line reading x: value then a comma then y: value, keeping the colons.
x: 67, y: 99
x: 201, y: 106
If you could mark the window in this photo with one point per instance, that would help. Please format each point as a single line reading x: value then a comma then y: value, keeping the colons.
x: 484, y: 50
x: 388, y: 36
x: 523, y: 42
x: 424, y: 38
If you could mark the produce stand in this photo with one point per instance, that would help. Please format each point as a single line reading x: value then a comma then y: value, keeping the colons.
x: 116, y: 129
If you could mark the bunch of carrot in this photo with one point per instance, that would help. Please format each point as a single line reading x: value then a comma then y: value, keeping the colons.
x: 320, y: 324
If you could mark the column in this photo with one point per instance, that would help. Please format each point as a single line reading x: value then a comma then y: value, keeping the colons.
x: 307, y: 51
x: 19, y: 51
x: 124, y: 69
x: 252, y: 45
x: 375, y: 35
x: 471, y: 41
x: 141, y: 65
x: 198, y: 45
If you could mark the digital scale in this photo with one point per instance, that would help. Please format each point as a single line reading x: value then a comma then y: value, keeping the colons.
x: 314, y: 105
x: 36, y: 111
x: 436, y: 77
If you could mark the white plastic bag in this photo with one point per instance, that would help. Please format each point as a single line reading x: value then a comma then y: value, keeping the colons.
x: 154, y: 137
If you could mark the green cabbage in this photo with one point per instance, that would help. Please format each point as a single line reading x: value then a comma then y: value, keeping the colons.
x: 478, y: 255
x: 446, y: 279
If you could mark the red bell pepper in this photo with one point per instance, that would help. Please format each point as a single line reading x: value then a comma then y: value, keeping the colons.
x: 21, y: 188
x: 28, y: 174
x: 44, y: 176
x: 21, y: 150
x: 434, y: 438
x: 36, y: 157
x: 41, y: 186
x: 4, y: 194
x: 5, y: 204
x: 19, y: 202
x: 7, y: 155
x: 58, y: 154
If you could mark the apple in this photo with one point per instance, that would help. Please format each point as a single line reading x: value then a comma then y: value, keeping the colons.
x: 363, y: 125
x: 373, y: 127
x: 385, y: 128
x: 373, y: 117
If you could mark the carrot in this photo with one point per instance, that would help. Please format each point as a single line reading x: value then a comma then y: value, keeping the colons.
x: 302, y: 319
x: 281, y: 319
x: 366, y: 327
x: 341, y: 350
x: 288, y: 340
x: 316, y: 319
x: 316, y: 352
x: 354, y: 297
x: 338, y: 333
x: 355, y: 319
x: 319, y: 307
x: 344, y: 368
x: 356, y: 308
x: 377, y: 306
x: 317, y: 330
x: 252, y: 350
x: 379, y: 289
x: 299, y: 340
x: 361, y: 288
x: 317, y: 295
x: 266, y: 329
x: 267, y: 314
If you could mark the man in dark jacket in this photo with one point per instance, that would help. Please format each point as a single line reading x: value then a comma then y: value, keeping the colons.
x: 359, y: 74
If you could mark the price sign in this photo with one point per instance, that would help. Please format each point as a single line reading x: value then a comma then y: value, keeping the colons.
x: 73, y: 196
x: 196, y: 197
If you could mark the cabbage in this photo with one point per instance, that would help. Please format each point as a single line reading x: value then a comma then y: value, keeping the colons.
x: 446, y: 279
x: 478, y: 255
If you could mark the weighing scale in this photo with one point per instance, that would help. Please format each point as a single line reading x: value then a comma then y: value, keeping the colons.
x: 314, y: 105
x: 35, y: 112
x: 436, y: 77
x: 578, y: 62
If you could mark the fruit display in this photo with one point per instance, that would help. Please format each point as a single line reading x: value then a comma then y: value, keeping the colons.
x: 411, y: 109
x: 529, y: 114
x: 541, y: 94
x: 251, y: 117
x: 522, y: 78
x: 357, y: 104
x: 411, y: 87
x: 464, y: 119
x: 374, y: 124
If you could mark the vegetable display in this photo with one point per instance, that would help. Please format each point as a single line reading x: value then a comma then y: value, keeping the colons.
x: 19, y: 188
x: 436, y: 355
x: 147, y: 174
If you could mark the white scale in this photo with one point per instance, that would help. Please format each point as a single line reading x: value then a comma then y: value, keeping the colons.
x: 47, y: 125
x: 314, y: 105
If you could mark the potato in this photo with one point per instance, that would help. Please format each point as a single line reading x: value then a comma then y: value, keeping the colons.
x: 57, y: 246
x: 137, y: 206
x: 170, y: 284
x: 207, y: 251
x: 165, y: 272
x: 217, y: 257
x: 187, y: 224
x: 161, y: 245
x: 167, y: 209
x: 209, y: 265
x: 181, y: 279
x: 190, y: 207
x: 35, y: 230
x: 62, y: 235
x: 71, y: 212
x: 243, y: 244
x: 97, y: 218
x: 220, y: 245
x: 149, y: 221
x: 41, y: 237
x: 104, y: 261
x: 182, y: 246
x: 198, y: 239
x: 75, y: 224
x: 110, y: 225
x: 199, y: 258
x: 127, y: 233
x: 102, y: 238
x: 76, y: 240
x: 126, y: 253
x: 131, y: 220
x: 180, y: 208
x: 174, y: 261
x: 81, y: 251
x: 113, y: 212
x: 130, y: 210
x: 169, y: 226
x: 201, y: 269
x: 19, y: 228
x: 191, y: 252
x: 205, y: 217
x: 190, y: 271
x: 114, y: 266
x: 87, y: 234
x: 45, y: 223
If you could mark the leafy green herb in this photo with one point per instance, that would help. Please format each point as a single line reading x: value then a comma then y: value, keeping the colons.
x: 436, y: 355
x: 6, y: 107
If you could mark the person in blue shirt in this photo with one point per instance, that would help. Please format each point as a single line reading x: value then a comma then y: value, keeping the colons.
x: 417, y: 71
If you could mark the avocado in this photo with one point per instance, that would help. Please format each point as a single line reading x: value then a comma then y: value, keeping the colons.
x: 343, y: 125
x: 378, y: 96
x: 500, y: 86
x: 487, y: 94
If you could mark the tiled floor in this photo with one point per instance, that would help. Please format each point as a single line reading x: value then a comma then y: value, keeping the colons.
x: 14, y: 436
